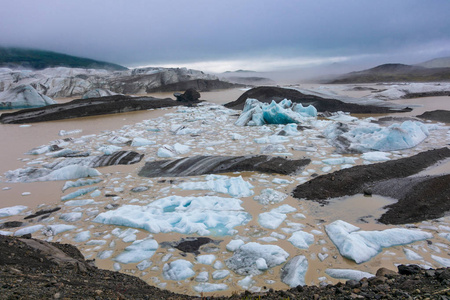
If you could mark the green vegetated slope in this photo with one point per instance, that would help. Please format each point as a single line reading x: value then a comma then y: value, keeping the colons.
x: 40, y: 59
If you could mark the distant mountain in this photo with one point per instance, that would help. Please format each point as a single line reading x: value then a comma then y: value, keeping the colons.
x: 395, y: 73
x: 40, y: 59
x: 240, y: 71
x: 441, y: 62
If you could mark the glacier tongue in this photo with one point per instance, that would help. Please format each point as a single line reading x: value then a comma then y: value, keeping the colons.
x: 361, y: 246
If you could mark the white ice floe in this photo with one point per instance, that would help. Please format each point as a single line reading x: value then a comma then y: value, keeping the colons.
x: 210, y: 287
x: 203, y: 276
x: 339, y: 161
x: 109, y: 149
x: 270, y: 196
x: 220, y: 274
x: 139, y: 142
x: 137, y: 251
x: 79, y: 202
x: 207, y: 215
x: 411, y: 255
x: 206, y: 259
x: 44, y: 174
x: 78, y: 193
x: 361, y: 246
x: 247, y: 282
x: 82, y: 236
x: 71, y: 217
x: 445, y: 262
x: 55, y: 229
x: 376, y: 156
x: 234, y: 186
x: 28, y: 230
x: 80, y: 182
x: 275, y: 217
x: 294, y: 271
x: 233, y: 245
x: 244, y: 259
x: 348, y: 274
x: 178, y: 270
x: 301, y: 239
x: 12, y: 210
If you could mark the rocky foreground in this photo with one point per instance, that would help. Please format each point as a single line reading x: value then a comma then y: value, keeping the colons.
x: 34, y: 269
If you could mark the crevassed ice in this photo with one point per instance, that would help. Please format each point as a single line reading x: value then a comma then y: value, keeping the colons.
x: 361, y: 246
x: 207, y: 215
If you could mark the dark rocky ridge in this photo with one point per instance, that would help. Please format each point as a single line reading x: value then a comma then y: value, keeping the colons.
x: 267, y: 94
x: 439, y: 115
x: 86, y: 107
x: 200, y: 85
x: 395, y: 73
x: 33, y: 269
x: 199, y: 165
x: 381, y: 178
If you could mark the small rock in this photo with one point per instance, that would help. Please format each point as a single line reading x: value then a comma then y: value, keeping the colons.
x: 408, y: 270
x: 57, y: 296
x: 352, y: 283
x: 384, y: 272
x: 98, y: 292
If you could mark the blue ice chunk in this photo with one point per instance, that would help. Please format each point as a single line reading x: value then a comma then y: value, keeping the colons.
x: 301, y: 239
x: 80, y: 182
x: 27, y: 230
x: 361, y: 246
x: 78, y: 193
x: 82, y: 236
x: 309, y: 111
x: 12, y: 210
x: 210, y: 287
x: 137, y: 251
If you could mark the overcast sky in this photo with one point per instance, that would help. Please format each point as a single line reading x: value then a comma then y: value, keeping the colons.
x: 231, y: 34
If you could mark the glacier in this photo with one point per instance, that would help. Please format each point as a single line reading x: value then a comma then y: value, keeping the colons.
x: 207, y: 215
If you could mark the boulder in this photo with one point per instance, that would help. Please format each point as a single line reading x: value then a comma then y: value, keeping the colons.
x: 190, y: 95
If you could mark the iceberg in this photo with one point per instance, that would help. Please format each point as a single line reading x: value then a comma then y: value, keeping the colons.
x: 220, y: 274
x: 366, y: 137
x: 301, y: 239
x: 210, y: 287
x: 206, y: 259
x: 109, y: 149
x: 12, y: 210
x: 71, y: 172
x: 441, y: 260
x: 348, y: 274
x: 23, y: 96
x: 233, y: 245
x: 234, y: 186
x: 294, y: 271
x: 178, y: 270
x: 52, y: 230
x: 78, y: 193
x: 207, y: 215
x: 244, y: 259
x: 82, y: 236
x: 71, y: 217
x: 80, y: 182
x: 138, y: 251
x: 28, y: 230
x: 361, y: 246
x: 139, y: 142
x: 270, y: 196
x: 256, y: 113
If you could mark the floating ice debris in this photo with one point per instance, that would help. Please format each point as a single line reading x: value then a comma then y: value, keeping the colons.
x: 339, y: 161
x: 109, y: 149
x: 118, y: 140
x: 220, y: 274
x: 445, y: 235
x: 270, y: 196
x: 210, y: 287
x: 411, y: 255
x: 139, y: 142
x: 80, y: 182
x: 258, y: 113
x: 365, y: 137
x: 69, y: 132
x: 376, y: 156
x: 96, y: 243
x: 138, y: 251
x: 234, y: 186
x: 55, y: 229
x: 348, y: 274
x: 243, y: 261
x: 206, y: 259
x: 12, y: 210
x: 78, y: 193
x: 233, y: 245
x: 441, y: 260
x: 272, y: 139
x: 143, y: 265
x: 26, y: 194
x: 342, y: 117
x: 181, y: 149
x: 237, y: 136
x: 178, y: 270
x: 203, y: 215
x: 71, y: 172
x: 105, y: 254
x: 301, y: 239
x: 27, y: 230
x: 79, y: 202
x: 280, y: 181
x: 361, y: 246
x: 247, y: 282
x: 271, y: 220
x: 166, y: 151
x: 71, y: 217
x: 82, y: 236
x: 294, y: 271
x: 2, y: 232
x: 202, y: 276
